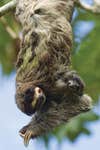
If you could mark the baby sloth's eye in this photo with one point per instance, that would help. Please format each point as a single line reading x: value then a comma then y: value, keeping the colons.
x: 39, y: 11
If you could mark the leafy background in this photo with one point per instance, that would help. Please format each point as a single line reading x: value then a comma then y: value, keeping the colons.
x: 85, y: 59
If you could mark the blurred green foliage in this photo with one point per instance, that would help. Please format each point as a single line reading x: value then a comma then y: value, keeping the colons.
x: 85, y: 59
x: 2, y: 2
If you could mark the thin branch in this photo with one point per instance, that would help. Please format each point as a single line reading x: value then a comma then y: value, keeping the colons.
x: 8, y: 28
x: 7, y: 7
x: 97, y: 2
x: 95, y: 8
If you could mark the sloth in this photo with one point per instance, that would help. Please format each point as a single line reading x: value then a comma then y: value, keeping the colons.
x: 46, y: 87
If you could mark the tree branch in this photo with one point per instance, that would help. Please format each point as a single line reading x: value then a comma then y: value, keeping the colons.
x: 8, y: 28
x: 95, y: 8
x: 7, y: 7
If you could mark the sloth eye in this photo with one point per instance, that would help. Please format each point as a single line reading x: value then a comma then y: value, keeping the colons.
x: 39, y: 11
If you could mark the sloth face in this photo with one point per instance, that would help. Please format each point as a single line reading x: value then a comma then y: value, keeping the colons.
x: 29, y: 98
x: 45, y: 14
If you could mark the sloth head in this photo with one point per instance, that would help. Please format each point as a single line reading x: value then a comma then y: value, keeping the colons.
x: 29, y: 98
x: 44, y: 14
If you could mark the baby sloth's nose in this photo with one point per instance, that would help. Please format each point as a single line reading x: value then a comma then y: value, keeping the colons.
x: 76, y: 87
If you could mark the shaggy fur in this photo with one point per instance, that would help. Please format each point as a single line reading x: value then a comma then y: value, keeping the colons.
x: 44, y: 62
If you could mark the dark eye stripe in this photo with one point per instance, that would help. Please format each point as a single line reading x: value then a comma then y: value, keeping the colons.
x: 39, y: 11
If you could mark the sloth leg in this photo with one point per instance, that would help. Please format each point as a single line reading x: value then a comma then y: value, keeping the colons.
x: 32, y: 130
x: 57, y: 114
x: 40, y: 124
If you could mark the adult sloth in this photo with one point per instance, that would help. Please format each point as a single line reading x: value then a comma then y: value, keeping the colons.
x: 45, y: 86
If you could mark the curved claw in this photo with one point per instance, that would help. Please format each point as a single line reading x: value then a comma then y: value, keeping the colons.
x: 21, y: 134
x: 26, y: 136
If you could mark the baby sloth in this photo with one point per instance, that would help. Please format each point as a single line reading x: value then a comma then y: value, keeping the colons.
x: 46, y: 88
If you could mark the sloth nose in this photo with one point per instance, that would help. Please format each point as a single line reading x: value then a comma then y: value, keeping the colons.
x: 32, y: 14
x: 34, y: 20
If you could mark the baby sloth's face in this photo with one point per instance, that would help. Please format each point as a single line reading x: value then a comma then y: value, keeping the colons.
x: 29, y: 99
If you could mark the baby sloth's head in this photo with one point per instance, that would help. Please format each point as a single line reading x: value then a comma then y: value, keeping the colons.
x: 29, y: 98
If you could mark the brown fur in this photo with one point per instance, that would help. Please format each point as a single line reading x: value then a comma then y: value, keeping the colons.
x: 44, y: 62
